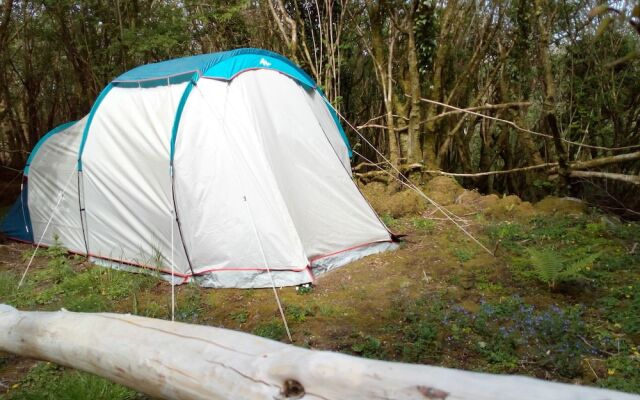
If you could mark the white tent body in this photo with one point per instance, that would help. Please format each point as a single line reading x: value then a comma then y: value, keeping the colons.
x: 261, y: 183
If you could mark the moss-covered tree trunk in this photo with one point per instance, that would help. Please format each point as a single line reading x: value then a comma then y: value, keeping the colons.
x: 549, y: 119
x: 415, y: 111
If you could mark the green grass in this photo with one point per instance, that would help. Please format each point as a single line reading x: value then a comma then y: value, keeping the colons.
x: 498, y: 314
x: 46, y: 381
x: 240, y: 316
x: 369, y: 347
x: 588, y: 262
x: 389, y: 220
x: 463, y: 254
x: 423, y: 224
x: 297, y: 313
x: 270, y: 330
x: 189, y: 304
x: 58, y: 284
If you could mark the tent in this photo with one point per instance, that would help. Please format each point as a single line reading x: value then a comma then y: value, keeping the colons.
x: 228, y: 168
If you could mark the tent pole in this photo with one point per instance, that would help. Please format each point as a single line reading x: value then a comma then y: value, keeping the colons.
x: 173, y: 276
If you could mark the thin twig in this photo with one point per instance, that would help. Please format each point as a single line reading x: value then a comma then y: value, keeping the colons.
x: 591, y: 368
x: 595, y: 348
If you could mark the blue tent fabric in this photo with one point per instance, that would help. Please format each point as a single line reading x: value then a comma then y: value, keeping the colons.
x: 230, y: 67
x: 17, y: 223
x: 244, y: 59
x: 224, y: 65
x: 176, y: 120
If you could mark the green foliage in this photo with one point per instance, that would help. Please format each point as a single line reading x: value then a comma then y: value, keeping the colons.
x: 426, y: 28
x: 628, y: 231
x: 463, y: 254
x: 623, y: 372
x: 423, y: 224
x: 8, y: 282
x: 551, y: 269
x: 90, y: 290
x: 328, y: 310
x: 189, y: 307
x: 422, y: 331
x: 56, y: 250
x: 240, y: 316
x: 369, y: 347
x: 271, y: 330
x: 389, y: 220
x: 499, y: 334
x: 10, y: 294
x: 155, y: 310
x: 304, y: 289
x: 87, y: 303
x: 45, y: 381
x: 95, y: 289
x: 622, y: 306
x: 297, y: 313
x: 508, y: 233
x: 420, y: 340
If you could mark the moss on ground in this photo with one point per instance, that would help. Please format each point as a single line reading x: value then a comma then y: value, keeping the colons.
x: 439, y: 299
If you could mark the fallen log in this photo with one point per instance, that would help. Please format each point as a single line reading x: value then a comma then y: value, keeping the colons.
x: 173, y: 360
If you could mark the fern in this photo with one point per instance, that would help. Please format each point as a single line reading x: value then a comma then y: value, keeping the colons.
x: 575, y: 269
x: 550, y: 268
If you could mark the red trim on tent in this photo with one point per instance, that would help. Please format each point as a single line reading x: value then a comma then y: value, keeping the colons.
x: 129, y: 263
x: 20, y: 240
x: 316, y: 258
x: 307, y: 268
x: 311, y: 275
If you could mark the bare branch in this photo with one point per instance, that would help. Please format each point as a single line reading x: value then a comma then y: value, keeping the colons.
x: 513, y: 124
x: 633, y: 179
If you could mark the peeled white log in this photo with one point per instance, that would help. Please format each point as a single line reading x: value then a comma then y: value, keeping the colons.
x: 180, y: 361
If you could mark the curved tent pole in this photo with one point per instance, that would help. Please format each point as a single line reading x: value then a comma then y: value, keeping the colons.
x: 42, y: 140
x: 85, y: 134
x: 174, y: 136
x: 24, y: 187
x: 92, y: 113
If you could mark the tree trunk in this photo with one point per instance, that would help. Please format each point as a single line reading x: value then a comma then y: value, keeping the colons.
x: 430, y: 138
x: 549, y: 117
x: 383, y: 61
x: 415, y: 112
x: 173, y: 360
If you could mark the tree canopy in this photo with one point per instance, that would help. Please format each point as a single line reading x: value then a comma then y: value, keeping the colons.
x: 463, y: 86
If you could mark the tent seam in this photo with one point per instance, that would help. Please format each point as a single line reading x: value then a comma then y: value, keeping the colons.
x: 174, y: 139
x: 83, y: 140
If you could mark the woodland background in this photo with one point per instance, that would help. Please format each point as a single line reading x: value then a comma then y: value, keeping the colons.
x: 565, y: 73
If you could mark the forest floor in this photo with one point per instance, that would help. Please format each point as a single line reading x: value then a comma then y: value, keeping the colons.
x: 560, y: 300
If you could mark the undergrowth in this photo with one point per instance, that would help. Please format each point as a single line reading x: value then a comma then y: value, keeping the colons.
x: 561, y: 299
x: 45, y: 381
x: 63, y: 281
